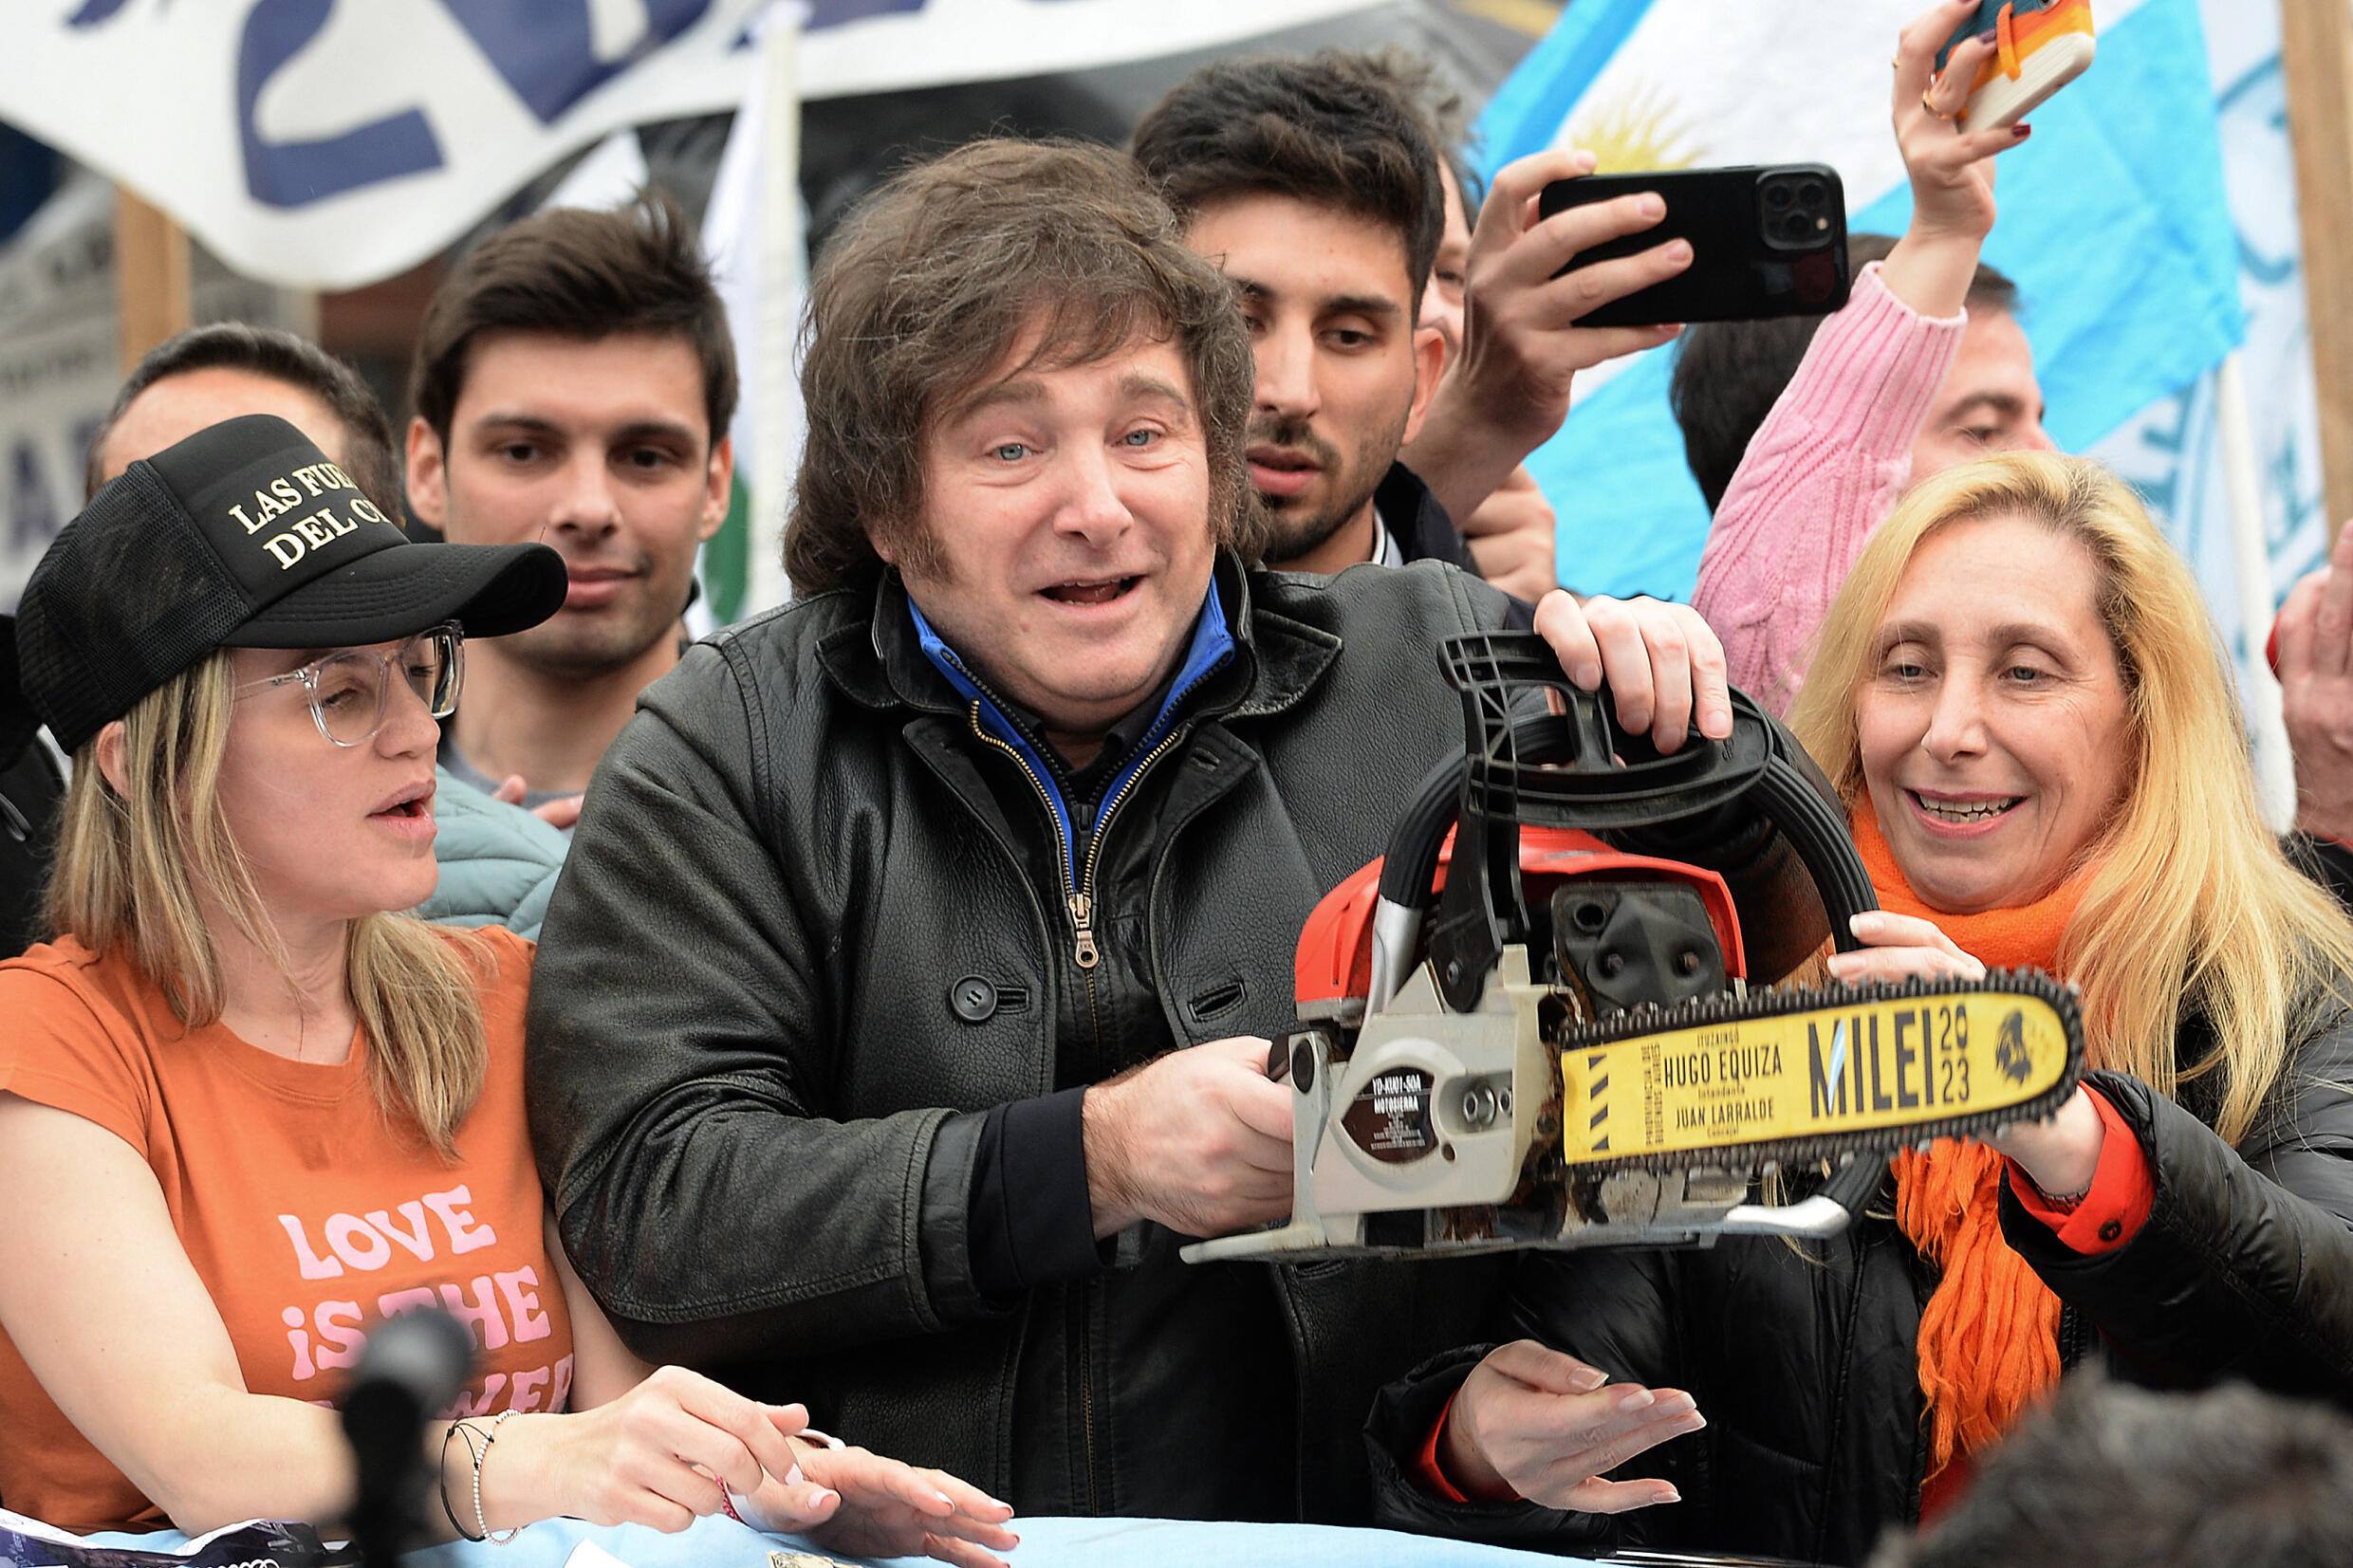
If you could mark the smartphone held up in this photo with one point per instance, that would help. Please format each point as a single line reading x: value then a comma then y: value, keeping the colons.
x: 1765, y: 241
x: 2039, y: 47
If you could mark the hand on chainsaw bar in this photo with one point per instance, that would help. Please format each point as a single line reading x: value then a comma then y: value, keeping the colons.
x: 1199, y: 1140
x: 2059, y: 1153
x: 1546, y: 1425
x: 1664, y: 665
x: 1901, y: 947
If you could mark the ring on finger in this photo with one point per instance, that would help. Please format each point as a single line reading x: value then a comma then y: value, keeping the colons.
x: 1930, y: 104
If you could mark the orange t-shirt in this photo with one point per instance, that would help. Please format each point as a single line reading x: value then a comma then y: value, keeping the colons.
x: 307, y: 1213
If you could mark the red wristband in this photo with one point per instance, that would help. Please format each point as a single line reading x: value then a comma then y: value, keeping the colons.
x: 2122, y: 1190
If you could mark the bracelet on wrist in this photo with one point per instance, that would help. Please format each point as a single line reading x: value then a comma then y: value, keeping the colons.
x: 478, y: 1445
x: 447, y: 1432
x: 490, y: 1440
x: 2064, y: 1201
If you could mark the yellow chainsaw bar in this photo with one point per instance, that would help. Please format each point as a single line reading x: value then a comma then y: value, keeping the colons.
x: 1815, y: 1071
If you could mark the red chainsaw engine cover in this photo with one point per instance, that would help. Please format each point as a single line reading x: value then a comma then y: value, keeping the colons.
x: 1336, y: 945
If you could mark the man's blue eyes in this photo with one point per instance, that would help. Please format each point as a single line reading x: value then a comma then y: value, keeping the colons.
x: 1014, y: 451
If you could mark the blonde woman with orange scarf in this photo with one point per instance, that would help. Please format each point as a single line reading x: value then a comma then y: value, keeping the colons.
x: 2019, y: 699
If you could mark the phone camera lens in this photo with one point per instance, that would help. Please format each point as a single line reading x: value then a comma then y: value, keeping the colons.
x: 1776, y: 195
x: 1810, y: 193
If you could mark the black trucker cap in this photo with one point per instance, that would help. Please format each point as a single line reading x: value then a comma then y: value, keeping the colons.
x: 243, y: 535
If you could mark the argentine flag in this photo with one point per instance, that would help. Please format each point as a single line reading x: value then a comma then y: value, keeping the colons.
x: 2113, y: 221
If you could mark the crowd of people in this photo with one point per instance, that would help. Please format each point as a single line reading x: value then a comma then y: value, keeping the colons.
x: 843, y: 1020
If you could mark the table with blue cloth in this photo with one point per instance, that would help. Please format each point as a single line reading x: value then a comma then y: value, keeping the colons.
x: 719, y: 1543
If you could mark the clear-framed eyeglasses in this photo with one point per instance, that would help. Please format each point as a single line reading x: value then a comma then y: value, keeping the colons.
x: 347, y: 691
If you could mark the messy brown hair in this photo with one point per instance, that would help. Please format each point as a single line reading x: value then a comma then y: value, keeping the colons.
x: 584, y: 275
x: 925, y: 292
x: 1337, y: 129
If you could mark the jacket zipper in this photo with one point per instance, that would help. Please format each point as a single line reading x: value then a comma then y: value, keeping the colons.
x: 1079, y: 901
x: 1079, y: 904
x: 1083, y: 902
x: 1080, y: 908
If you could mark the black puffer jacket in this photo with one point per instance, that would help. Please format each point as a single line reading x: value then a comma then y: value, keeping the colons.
x: 1805, y: 1365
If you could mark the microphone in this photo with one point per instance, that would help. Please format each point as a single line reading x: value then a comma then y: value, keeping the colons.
x: 412, y: 1367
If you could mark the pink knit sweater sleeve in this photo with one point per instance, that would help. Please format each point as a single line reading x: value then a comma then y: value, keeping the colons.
x: 1823, y: 470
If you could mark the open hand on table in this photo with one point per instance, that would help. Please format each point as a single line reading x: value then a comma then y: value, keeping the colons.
x: 1547, y: 1427
x: 655, y: 1455
x: 849, y: 1500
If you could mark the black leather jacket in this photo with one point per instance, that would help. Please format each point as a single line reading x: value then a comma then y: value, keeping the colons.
x: 809, y: 914
x: 812, y: 919
x: 1806, y: 1366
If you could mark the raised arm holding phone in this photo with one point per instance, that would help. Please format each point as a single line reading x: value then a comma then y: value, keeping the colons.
x: 1507, y: 392
x: 1896, y: 386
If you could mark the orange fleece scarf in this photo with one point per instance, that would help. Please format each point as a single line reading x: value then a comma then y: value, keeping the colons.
x: 1990, y: 1334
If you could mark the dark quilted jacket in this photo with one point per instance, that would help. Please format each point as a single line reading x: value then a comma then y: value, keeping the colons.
x: 1806, y: 1366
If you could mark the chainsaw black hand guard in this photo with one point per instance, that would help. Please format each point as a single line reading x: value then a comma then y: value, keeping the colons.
x: 1579, y: 768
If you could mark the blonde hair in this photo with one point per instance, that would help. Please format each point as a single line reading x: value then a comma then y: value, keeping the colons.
x: 134, y: 869
x: 2193, y: 908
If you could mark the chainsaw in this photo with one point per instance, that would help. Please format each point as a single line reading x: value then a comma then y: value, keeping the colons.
x: 1517, y: 1031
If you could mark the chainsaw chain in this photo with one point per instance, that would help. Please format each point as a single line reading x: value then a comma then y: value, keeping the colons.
x: 1793, y: 1152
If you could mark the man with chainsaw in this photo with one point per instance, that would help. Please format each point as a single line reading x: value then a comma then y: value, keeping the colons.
x: 906, y: 999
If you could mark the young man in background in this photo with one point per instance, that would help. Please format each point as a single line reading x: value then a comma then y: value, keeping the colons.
x: 573, y: 384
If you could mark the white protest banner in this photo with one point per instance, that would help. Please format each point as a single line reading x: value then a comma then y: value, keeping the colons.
x: 895, y: 44
x: 327, y: 144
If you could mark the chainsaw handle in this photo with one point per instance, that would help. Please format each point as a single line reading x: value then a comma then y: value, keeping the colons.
x: 1817, y: 830
x: 1778, y: 788
x: 1412, y: 861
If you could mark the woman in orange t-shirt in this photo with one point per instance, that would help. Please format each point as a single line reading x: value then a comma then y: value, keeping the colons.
x: 247, y: 1110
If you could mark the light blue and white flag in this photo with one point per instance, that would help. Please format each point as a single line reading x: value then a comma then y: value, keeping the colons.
x: 2113, y: 223
x: 2173, y: 449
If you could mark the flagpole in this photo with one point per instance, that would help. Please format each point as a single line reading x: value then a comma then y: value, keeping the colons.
x: 153, y: 292
x: 776, y: 436
x: 2267, y: 728
x: 2316, y: 65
